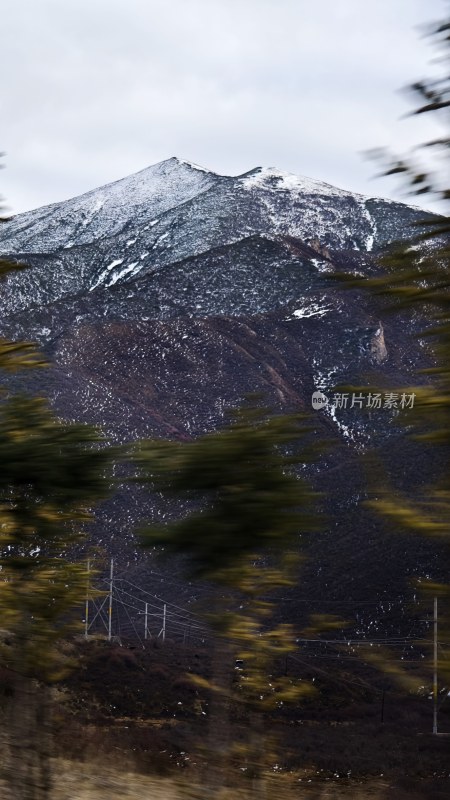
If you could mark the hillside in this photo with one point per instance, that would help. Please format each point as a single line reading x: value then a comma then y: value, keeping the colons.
x: 164, y: 298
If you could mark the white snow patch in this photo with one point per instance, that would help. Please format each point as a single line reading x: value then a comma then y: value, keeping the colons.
x: 371, y: 236
x: 114, y: 263
x: 194, y: 166
x: 131, y: 241
x: 322, y: 266
x: 311, y: 310
x: 150, y: 224
x: 270, y: 178
x: 323, y: 381
x: 105, y: 273
x: 344, y: 429
x: 160, y: 239
x: 125, y: 271
x: 96, y: 206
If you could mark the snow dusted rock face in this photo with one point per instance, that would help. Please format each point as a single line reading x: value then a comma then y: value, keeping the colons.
x: 166, y: 297
x: 175, y: 211
x: 176, y: 240
x: 109, y: 210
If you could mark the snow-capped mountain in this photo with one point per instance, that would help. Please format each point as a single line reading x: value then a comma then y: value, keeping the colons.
x: 176, y: 210
x: 165, y: 297
x: 108, y: 210
x: 176, y: 242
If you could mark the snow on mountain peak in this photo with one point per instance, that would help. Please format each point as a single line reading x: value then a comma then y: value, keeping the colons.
x: 271, y: 178
x: 108, y: 210
x: 175, y: 207
x: 192, y: 165
x: 174, y: 178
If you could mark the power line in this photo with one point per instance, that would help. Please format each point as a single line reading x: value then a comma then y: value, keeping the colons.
x: 182, y: 618
x: 155, y: 597
x: 134, y: 628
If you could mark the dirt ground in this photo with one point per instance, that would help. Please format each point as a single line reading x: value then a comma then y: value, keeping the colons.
x: 77, y: 781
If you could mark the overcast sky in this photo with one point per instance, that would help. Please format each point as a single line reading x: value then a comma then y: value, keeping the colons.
x: 93, y: 90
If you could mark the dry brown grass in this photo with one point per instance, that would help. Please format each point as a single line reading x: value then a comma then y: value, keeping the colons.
x: 88, y: 781
x: 91, y: 780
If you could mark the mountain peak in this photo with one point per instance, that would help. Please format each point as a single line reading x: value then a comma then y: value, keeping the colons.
x: 110, y: 208
x: 153, y: 204
x: 185, y: 162
x: 272, y: 178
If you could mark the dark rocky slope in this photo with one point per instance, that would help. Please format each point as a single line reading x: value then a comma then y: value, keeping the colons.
x: 164, y: 298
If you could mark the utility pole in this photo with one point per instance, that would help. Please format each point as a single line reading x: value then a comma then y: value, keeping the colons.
x: 435, y: 666
x: 111, y: 573
x: 146, y: 621
x: 164, y: 624
x: 86, y: 609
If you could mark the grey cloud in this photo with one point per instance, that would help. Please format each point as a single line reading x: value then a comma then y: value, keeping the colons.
x: 93, y: 90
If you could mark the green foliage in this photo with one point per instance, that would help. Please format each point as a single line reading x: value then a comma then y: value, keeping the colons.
x: 416, y: 277
x: 248, y: 509
x: 50, y: 474
x: 242, y: 480
x: 431, y: 95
